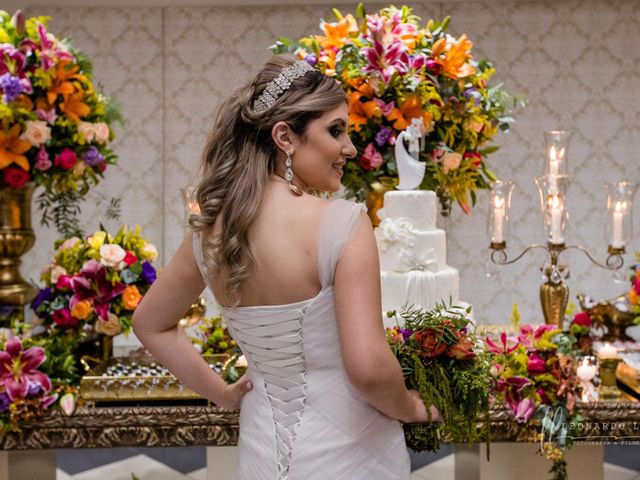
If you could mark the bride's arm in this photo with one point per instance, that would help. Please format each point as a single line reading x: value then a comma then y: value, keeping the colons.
x: 155, y: 323
x: 370, y: 364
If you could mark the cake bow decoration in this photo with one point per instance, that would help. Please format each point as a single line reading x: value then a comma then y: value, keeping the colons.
x: 425, y: 262
x: 410, y: 168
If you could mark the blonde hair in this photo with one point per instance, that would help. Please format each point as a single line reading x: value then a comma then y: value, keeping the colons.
x: 240, y: 155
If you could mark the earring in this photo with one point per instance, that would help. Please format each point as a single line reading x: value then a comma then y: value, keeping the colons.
x: 288, y: 175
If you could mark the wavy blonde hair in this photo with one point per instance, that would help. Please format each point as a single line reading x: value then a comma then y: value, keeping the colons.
x: 240, y: 155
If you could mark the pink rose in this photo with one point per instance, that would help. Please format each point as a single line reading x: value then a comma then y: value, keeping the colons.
x: 111, y: 254
x: 451, y: 161
x: 36, y: 133
x: 64, y: 319
x: 15, y: 177
x: 370, y: 158
x: 63, y: 282
x: 582, y: 318
x: 66, y: 159
x: 102, y: 132
x: 87, y: 131
x: 43, y: 162
x: 535, y: 365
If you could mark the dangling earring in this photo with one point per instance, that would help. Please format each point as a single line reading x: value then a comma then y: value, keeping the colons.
x: 288, y: 175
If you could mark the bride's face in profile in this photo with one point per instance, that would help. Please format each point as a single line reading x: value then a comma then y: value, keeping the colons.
x: 321, y: 153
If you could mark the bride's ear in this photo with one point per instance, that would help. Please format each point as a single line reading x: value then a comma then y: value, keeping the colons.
x: 283, y: 136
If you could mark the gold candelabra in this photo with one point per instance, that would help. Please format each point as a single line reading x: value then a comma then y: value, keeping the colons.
x: 553, y: 186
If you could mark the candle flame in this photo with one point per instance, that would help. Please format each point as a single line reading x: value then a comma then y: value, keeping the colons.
x: 620, y: 206
x: 554, y: 201
x: 498, y: 202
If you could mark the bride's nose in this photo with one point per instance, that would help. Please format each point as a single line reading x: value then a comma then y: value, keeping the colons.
x: 350, y: 150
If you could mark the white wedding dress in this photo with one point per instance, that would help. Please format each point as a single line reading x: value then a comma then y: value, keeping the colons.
x: 304, y: 420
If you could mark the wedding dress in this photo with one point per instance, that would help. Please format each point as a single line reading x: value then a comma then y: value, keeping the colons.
x: 303, y: 420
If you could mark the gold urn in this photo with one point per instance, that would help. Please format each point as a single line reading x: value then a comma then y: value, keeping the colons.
x: 16, y: 238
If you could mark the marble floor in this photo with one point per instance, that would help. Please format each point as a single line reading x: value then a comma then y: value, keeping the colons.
x: 174, y: 464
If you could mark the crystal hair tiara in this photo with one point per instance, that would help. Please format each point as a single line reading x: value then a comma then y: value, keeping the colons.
x: 280, y: 84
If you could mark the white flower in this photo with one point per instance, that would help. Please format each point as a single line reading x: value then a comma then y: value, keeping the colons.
x: 149, y: 252
x: 451, y: 161
x: 56, y: 272
x: 36, y: 133
x: 396, y: 230
x: 111, y: 254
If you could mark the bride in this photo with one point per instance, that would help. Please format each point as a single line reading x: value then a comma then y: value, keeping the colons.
x: 297, y: 280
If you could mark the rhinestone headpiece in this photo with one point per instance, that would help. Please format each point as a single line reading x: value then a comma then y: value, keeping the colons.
x: 280, y: 84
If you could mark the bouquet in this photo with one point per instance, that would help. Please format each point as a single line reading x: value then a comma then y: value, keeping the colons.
x: 634, y: 292
x: 396, y: 72
x: 212, y: 338
x: 533, y: 375
x: 96, y: 282
x: 36, y: 374
x: 55, y: 126
x: 441, y: 359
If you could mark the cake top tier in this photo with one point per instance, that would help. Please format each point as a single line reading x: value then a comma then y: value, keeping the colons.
x: 417, y: 206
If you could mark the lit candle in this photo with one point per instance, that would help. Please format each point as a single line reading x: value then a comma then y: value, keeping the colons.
x: 556, y: 209
x: 608, y: 351
x: 586, y: 372
x: 498, y: 218
x: 618, y: 216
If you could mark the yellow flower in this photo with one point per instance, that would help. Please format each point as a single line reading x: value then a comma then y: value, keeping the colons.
x: 96, y: 240
x: 131, y: 297
x: 82, y: 310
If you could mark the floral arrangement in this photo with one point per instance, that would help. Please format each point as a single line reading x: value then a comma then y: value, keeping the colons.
x: 580, y: 328
x: 98, y: 281
x: 36, y: 374
x: 55, y: 127
x: 440, y: 359
x: 393, y: 71
x: 212, y: 337
x: 533, y: 374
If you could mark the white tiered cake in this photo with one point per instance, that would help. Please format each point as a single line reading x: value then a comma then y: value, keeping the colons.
x: 413, y: 253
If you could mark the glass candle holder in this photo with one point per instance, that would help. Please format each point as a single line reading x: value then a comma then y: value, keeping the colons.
x: 499, y: 205
x: 557, y: 148
x: 553, y: 195
x: 586, y: 370
x: 619, y: 226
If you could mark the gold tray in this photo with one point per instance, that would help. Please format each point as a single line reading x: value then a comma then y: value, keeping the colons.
x: 629, y: 376
x: 102, y: 385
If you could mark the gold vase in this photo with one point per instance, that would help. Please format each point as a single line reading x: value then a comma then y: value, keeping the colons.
x: 553, y: 298
x: 16, y: 238
x: 374, y: 201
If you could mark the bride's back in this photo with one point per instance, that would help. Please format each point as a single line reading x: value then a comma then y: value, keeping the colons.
x: 284, y: 242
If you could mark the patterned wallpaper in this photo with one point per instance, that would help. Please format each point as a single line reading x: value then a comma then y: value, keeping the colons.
x: 576, y: 61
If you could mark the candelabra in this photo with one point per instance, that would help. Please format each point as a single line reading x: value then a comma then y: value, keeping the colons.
x: 553, y: 186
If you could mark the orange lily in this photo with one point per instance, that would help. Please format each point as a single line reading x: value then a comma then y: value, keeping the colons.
x: 357, y: 115
x: 454, y: 62
x: 12, y: 148
x: 61, y: 81
x: 410, y: 108
x: 74, y: 107
x: 336, y: 34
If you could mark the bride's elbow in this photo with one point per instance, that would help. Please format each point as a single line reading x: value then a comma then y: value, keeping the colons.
x: 363, y: 374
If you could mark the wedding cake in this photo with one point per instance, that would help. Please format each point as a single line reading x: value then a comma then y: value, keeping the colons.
x: 413, y: 253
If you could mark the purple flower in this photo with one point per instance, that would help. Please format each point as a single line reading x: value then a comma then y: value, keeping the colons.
x: 5, y: 401
x: 11, y: 86
x: 406, y: 333
x: 92, y: 156
x: 148, y: 273
x: 34, y: 389
x: 382, y: 137
x: 473, y: 93
x: 43, y: 295
x: 311, y: 59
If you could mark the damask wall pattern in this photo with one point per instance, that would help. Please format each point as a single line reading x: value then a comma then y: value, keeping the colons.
x: 576, y: 61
